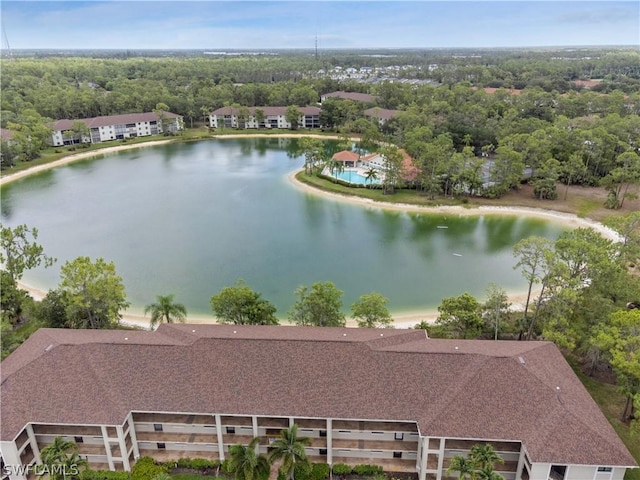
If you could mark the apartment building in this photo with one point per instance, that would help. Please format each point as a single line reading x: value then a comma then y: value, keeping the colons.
x: 116, y: 127
x: 394, y: 398
x: 263, y: 117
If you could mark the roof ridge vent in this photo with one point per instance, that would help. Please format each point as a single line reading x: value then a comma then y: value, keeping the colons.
x: 49, y: 347
x: 521, y: 360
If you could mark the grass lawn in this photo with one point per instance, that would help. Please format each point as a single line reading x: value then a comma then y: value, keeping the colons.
x: 611, y: 402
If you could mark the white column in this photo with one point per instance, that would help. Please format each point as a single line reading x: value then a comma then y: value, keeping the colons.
x: 422, y: 471
x: 134, y: 438
x: 34, y: 443
x: 440, y: 459
x: 11, y: 457
x: 219, y: 434
x: 123, y: 449
x: 254, y: 424
x: 520, y: 463
x: 291, y: 422
x: 107, y: 447
x: 329, y: 442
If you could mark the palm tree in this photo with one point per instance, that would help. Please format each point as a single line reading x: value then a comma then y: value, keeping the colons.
x: 484, y: 456
x: 465, y: 468
x: 61, y: 457
x: 370, y: 175
x: 166, y: 310
x: 246, y: 464
x: 488, y: 473
x: 290, y: 449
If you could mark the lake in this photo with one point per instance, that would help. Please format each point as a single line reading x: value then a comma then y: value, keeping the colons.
x: 192, y: 218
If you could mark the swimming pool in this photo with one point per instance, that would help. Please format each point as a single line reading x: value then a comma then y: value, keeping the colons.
x: 353, y: 176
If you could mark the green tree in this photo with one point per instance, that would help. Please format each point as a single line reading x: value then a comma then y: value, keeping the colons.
x: 52, y: 309
x: 620, y: 339
x: 292, y: 116
x: 19, y: 250
x: 370, y: 311
x: 460, y: 317
x: 484, y: 456
x: 289, y: 449
x: 62, y: 459
x: 30, y: 134
x: 240, y: 305
x: 495, y: 308
x: 313, y: 151
x: 370, y: 175
x: 628, y: 227
x: 95, y: 293
x: 546, y: 178
x: 246, y: 464
x: 391, y: 168
x: 465, y: 468
x: 161, y: 110
x: 318, y: 306
x: 533, y: 255
x: 12, y: 299
x: 80, y: 131
x: 165, y: 310
x: 619, y: 179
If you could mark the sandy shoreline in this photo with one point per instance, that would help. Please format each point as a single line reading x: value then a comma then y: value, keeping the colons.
x: 401, y: 319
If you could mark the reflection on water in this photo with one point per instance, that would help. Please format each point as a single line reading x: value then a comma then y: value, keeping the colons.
x: 192, y: 218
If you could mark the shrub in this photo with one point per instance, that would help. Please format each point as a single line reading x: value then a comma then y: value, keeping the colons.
x: 201, y: 464
x: 103, y: 475
x: 319, y: 471
x: 368, y: 470
x: 342, y: 469
x: 146, y: 468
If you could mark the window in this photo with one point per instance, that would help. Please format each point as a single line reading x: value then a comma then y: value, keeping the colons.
x: 399, y: 436
x: 397, y: 454
x: 323, y: 451
x: 323, y: 433
x: 157, y: 427
x: 161, y: 446
x: 231, y: 429
x: 81, y: 440
x: 557, y: 472
x: 605, y: 469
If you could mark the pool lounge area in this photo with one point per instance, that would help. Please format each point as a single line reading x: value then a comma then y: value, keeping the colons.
x: 355, y: 176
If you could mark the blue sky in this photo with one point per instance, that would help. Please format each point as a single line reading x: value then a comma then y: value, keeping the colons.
x: 244, y: 24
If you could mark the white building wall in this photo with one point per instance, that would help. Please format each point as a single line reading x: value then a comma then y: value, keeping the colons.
x: 11, y: 459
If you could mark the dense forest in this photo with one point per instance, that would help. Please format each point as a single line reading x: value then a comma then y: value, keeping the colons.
x: 450, y: 120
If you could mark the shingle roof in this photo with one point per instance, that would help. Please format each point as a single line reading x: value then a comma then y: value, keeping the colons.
x: 268, y: 111
x: 383, y: 113
x: 109, y: 120
x: 346, y: 156
x: 455, y: 388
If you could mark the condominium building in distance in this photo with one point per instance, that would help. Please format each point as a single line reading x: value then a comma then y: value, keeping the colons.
x: 116, y: 127
x: 389, y: 397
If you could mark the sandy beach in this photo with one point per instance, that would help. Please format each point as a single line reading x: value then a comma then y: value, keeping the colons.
x: 136, y: 318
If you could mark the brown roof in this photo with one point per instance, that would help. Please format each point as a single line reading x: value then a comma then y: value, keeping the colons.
x: 268, y: 111
x: 463, y: 389
x: 346, y: 156
x: 358, y: 97
x: 383, y: 113
x: 106, y: 121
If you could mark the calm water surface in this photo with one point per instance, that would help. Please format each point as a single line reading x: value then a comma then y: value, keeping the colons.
x: 190, y: 219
